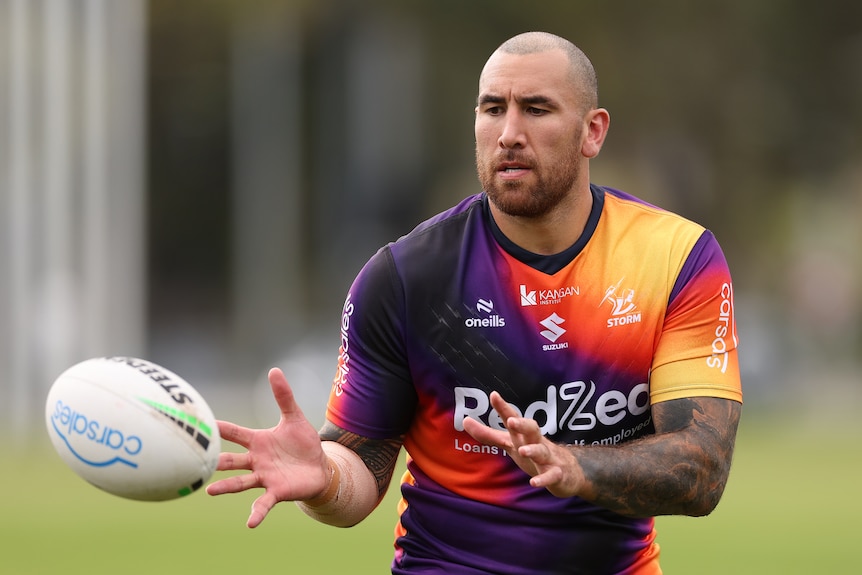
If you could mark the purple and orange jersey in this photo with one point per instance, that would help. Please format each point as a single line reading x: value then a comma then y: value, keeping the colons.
x: 638, y: 311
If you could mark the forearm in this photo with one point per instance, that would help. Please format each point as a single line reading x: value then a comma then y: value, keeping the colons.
x: 360, y: 472
x: 682, y: 470
x: 650, y: 477
x: 351, y: 494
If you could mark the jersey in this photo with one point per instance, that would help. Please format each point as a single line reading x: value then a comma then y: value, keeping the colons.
x: 639, y: 310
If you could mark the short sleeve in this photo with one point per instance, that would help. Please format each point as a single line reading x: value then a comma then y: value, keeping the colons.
x: 697, y: 351
x: 372, y: 392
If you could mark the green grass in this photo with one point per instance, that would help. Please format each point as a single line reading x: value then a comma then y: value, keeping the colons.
x: 791, y: 507
x: 54, y: 522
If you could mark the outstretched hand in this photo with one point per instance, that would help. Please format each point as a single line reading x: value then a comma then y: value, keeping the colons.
x: 287, y: 460
x: 549, y: 465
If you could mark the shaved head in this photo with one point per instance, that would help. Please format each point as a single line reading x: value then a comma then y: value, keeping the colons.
x: 537, y: 126
x: 581, y: 69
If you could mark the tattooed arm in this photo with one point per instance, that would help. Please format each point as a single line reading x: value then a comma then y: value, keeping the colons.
x: 378, y: 455
x: 681, y: 470
x: 359, y: 471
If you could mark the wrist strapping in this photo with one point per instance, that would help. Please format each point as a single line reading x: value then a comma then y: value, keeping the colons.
x: 352, y: 491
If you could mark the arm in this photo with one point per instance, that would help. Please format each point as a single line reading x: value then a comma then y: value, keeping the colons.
x: 378, y: 455
x: 681, y: 469
x: 360, y: 472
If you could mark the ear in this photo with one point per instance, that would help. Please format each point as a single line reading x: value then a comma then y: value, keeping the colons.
x: 596, y: 124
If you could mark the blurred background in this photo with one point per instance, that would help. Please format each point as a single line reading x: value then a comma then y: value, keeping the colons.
x: 198, y: 182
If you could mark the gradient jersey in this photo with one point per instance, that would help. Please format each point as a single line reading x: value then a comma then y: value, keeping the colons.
x: 638, y: 311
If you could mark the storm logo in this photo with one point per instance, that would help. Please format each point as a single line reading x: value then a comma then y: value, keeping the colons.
x: 623, y: 311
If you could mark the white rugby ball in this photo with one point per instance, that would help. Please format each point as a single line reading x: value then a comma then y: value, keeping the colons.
x: 132, y: 428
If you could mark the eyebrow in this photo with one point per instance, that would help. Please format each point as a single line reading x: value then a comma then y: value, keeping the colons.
x: 528, y: 100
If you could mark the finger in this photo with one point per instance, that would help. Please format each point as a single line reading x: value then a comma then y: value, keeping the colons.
x: 229, y: 461
x: 537, y: 452
x: 260, y: 509
x: 551, y: 476
x: 503, y: 408
x: 514, y: 422
x: 233, y: 484
x: 527, y: 429
x: 484, y: 434
x: 283, y: 395
x: 235, y: 433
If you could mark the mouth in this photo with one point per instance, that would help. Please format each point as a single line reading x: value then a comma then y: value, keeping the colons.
x: 512, y: 169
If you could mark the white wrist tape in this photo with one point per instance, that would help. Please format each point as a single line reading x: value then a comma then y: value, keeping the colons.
x: 352, y: 493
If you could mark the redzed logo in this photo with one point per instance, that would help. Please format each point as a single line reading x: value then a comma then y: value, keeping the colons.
x: 564, y: 408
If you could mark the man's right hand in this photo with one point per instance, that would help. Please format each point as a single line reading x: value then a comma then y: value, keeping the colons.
x: 287, y: 460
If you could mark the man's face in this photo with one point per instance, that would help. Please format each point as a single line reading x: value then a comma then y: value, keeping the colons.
x: 529, y: 131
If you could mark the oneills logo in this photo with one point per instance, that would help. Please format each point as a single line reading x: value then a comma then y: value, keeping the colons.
x: 492, y: 319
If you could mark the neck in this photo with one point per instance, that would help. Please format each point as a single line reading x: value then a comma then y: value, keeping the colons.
x: 550, y: 233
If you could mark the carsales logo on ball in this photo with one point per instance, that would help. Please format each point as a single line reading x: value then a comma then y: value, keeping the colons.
x: 92, y: 442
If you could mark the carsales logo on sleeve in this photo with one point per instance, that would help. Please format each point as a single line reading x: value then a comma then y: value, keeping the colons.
x: 724, y: 331
x: 343, y: 370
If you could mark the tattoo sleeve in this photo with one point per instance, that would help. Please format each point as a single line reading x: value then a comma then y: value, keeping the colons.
x: 681, y: 470
x: 379, y: 455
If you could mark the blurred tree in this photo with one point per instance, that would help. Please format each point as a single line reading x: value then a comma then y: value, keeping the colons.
x: 189, y: 170
x: 720, y: 110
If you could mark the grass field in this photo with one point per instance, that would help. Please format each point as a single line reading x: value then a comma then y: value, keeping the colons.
x: 792, y: 506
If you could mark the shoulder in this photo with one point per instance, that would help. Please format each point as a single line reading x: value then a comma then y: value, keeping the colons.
x: 652, y: 230
x: 632, y: 210
x: 436, y: 242
x: 422, y: 254
x: 441, y: 226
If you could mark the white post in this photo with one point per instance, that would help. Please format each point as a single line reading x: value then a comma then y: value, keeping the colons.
x: 124, y: 115
x: 71, y: 193
x: 57, y: 286
x: 96, y: 200
x: 267, y: 208
x: 17, y: 221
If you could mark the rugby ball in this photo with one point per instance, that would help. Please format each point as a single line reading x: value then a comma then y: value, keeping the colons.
x: 132, y: 428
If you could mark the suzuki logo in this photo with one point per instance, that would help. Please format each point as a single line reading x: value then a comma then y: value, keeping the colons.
x: 554, y: 331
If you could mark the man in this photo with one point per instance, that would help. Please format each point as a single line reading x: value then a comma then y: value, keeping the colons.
x: 558, y: 359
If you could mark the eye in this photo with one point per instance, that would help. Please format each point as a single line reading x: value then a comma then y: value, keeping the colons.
x: 494, y: 110
x: 533, y: 111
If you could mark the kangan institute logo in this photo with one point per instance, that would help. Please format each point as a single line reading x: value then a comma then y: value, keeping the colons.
x: 623, y: 311
x: 547, y: 296
x: 528, y: 297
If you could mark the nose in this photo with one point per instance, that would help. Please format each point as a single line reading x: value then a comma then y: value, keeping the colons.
x: 512, y: 135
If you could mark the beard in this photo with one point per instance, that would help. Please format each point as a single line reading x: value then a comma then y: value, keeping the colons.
x: 529, y: 199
